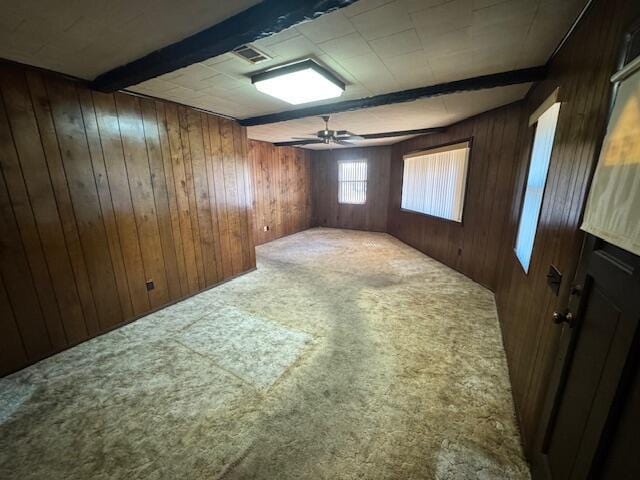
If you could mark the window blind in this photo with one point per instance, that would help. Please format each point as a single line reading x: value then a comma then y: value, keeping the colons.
x: 434, y: 181
x: 352, y: 181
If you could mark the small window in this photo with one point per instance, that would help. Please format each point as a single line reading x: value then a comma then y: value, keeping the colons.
x: 536, y: 180
x: 434, y: 181
x: 352, y: 181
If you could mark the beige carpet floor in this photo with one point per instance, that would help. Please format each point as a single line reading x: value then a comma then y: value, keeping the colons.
x: 346, y: 355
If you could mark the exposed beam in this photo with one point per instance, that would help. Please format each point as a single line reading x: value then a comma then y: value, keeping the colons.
x: 369, y: 136
x: 404, y: 133
x: 261, y: 20
x: 502, y: 79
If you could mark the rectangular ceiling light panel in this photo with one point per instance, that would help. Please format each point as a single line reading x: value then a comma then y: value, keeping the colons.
x: 298, y: 83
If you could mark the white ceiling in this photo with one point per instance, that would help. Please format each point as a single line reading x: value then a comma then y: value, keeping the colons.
x: 85, y: 38
x: 376, y: 46
x: 427, y: 112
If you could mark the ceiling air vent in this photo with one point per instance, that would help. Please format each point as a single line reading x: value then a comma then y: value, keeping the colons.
x: 251, y: 54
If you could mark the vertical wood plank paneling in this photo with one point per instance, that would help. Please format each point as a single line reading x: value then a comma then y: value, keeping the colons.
x: 65, y: 206
x: 12, y: 350
x: 161, y: 197
x: 139, y: 176
x: 214, y: 163
x: 18, y: 280
x: 21, y: 206
x: 172, y: 197
x: 43, y: 204
x: 201, y: 194
x: 182, y: 196
x: 183, y: 117
x: 370, y: 216
x: 118, y: 184
x: 213, y: 207
x: 243, y: 199
x: 77, y: 163
x: 101, y: 192
x: 249, y: 195
x: 231, y: 193
x: 280, y: 188
x: 471, y: 246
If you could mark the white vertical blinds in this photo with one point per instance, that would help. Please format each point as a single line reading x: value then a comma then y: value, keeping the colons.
x: 434, y: 181
x: 352, y: 181
x: 536, y: 180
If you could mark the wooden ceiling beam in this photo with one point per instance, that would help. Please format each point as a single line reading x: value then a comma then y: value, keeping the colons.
x: 503, y: 79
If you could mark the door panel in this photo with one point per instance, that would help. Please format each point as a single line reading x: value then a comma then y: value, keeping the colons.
x: 598, y: 328
x: 599, y: 351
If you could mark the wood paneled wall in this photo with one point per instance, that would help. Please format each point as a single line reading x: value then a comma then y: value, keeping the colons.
x: 471, y: 247
x: 328, y: 212
x: 282, y: 199
x: 100, y: 193
x: 525, y: 303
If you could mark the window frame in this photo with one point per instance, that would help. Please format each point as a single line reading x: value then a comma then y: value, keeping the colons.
x: 469, y: 141
x: 533, y: 124
x: 366, y: 180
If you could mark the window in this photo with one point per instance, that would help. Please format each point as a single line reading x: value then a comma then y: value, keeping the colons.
x: 434, y: 181
x: 352, y: 181
x: 536, y: 180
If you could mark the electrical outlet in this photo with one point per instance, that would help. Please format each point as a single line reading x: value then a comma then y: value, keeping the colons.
x: 150, y: 285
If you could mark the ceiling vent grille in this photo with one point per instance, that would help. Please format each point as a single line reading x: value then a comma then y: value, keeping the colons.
x: 251, y: 54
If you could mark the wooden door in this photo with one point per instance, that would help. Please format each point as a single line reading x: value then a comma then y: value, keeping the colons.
x: 600, y: 340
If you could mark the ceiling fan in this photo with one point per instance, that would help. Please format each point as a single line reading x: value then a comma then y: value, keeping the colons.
x: 327, y: 136
x: 346, y: 138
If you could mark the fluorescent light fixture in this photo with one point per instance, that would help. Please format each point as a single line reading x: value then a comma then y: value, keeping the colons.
x: 300, y: 82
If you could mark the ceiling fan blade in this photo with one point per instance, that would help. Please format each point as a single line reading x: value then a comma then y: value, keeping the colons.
x: 297, y: 142
x: 402, y: 133
x: 343, y: 142
x: 310, y: 137
x: 347, y: 135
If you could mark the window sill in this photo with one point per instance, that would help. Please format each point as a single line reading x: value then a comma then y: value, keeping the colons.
x: 433, y: 217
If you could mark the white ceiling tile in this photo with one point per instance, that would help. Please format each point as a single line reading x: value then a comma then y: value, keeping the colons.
x: 417, y: 5
x: 456, y: 66
x: 295, y: 47
x: 411, y: 70
x: 397, y: 44
x: 344, y: 48
x: 445, y: 44
x: 363, y: 6
x: 453, y: 15
x: 383, y: 21
x: 372, y: 73
x: 519, y: 11
x: 326, y: 27
x: 328, y: 62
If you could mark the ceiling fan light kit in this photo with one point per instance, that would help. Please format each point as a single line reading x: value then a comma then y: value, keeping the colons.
x: 299, y: 82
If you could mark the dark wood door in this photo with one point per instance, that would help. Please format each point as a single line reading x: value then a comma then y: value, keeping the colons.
x: 599, y: 341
